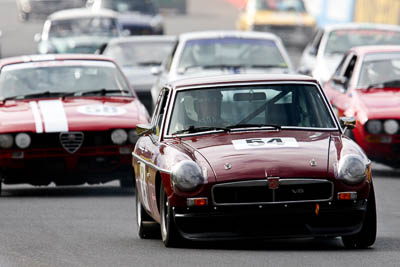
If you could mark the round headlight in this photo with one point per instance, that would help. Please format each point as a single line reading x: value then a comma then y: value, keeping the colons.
x: 391, y: 126
x: 119, y: 136
x: 22, y: 140
x: 187, y: 175
x: 133, y: 136
x: 352, y: 169
x: 374, y: 126
x: 6, y: 140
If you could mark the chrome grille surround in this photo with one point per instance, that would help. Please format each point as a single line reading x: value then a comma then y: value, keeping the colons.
x: 71, y: 141
x: 274, y: 193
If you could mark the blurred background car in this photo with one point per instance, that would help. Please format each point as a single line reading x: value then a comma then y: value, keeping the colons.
x: 288, y: 19
x: 366, y: 85
x: 137, y: 56
x: 42, y: 8
x: 77, y: 31
x: 137, y: 17
x: 322, y: 55
x: 222, y: 52
x: 179, y: 5
x: 72, y: 115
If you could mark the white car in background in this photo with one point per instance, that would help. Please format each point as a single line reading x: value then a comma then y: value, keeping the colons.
x: 322, y: 55
x: 222, y: 52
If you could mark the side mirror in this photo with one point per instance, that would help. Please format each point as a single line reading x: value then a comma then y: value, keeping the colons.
x: 143, y: 129
x: 339, y: 79
x: 304, y: 70
x: 100, y: 49
x: 37, y: 37
x: 125, y: 33
x: 313, y: 51
x: 156, y: 71
x: 348, y: 123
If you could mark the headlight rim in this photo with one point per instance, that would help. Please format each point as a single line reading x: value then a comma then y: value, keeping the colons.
x: 367, y: 127
x: 385, y: 126
x: 19, y: 145
x: 114, y: 135
x: 177, y: 181
x: 11, y: 141
x: 132, y: 132
x: 341, y: 174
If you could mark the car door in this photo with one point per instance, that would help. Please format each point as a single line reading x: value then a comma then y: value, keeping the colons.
x: 153, y: 151
x: 338, y: 90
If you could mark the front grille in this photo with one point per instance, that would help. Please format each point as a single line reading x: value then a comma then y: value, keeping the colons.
x: 258, y: 192
x: 71, y: 141
x: 52, y: 140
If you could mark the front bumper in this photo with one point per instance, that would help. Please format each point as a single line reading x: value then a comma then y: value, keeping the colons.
x: 271, y: 221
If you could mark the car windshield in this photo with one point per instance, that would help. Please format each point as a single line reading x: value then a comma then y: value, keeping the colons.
x: 380, y: 70
x: 139, y: 53
x: 255, y: 106
x: 19, y: 80
x: 141, y: 6
x: 96, y: 26
x: 230, y: 52
x: 340, y: 41
x: 281, y: 5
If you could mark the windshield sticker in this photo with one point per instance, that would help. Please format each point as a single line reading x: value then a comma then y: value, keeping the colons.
x: 273, y: 142
x: 101, y: 110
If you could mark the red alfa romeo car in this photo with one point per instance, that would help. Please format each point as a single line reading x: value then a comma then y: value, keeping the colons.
x: 67, y: 119
x: 251, y: 156
x: 366, y: 85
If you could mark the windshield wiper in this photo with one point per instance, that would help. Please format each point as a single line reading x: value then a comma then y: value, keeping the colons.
x: 102, y: 92
x: 149, y: 63
x: 253, y: 125
x: 266, y: 66
x: 194, y: 129
x: 34, y: 95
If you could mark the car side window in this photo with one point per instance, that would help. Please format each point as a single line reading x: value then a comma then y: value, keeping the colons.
x: 159, y: 116
x: 339, y: 68
x: 350, y: 68
x: 316, y: 41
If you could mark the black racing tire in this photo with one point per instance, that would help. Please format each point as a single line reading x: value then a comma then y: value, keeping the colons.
x: 145, y: 224
x: 367, y: 236
x: 169, y: 233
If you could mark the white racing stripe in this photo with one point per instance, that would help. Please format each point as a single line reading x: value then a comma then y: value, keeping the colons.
x: 36, y: 116
x: 54, y: 117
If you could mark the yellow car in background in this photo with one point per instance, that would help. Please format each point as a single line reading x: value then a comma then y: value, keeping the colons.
x: 288, y: 19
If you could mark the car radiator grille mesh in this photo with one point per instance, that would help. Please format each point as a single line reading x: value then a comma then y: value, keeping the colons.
x: 259, y: 192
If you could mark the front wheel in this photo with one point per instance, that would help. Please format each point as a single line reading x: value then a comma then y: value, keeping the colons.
x: 366, y: 237
x: 169, y: 233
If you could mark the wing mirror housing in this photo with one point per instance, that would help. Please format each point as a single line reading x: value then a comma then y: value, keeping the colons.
x: 156, y: 71
x: 348, y: 123
x: 339, y: 79
x: 143, y: 129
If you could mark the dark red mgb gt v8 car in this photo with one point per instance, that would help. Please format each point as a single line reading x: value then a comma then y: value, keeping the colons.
x: 251, y: 156
x: 67, y: 119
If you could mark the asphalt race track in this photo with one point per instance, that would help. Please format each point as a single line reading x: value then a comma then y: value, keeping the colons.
x: 95, y: 225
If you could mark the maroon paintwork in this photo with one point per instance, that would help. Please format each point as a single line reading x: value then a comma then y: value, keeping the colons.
x: 364, y: 105
x: 45, y: 160
x: 316, y: 158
